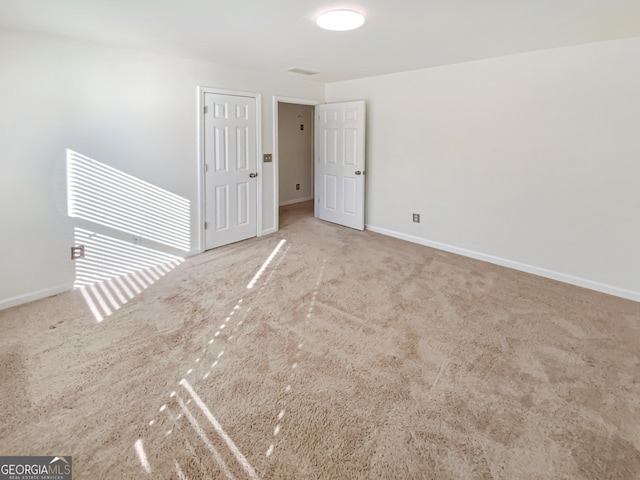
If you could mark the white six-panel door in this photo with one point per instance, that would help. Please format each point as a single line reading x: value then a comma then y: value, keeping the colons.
x: 340, y: 163
x: 230, y: 156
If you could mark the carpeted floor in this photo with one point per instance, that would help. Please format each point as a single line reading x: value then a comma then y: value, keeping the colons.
x: 353, y: 356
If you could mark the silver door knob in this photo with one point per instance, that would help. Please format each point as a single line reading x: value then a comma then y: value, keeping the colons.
x: 253, y: 175
x: 358, y: 172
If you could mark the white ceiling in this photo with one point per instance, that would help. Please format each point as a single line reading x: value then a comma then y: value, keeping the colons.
x: 275, y: 35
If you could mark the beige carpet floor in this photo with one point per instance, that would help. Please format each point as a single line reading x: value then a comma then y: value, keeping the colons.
x: 354, y: 356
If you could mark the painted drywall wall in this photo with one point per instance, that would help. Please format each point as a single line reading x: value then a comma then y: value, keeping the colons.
x: 130, y: 110
x: 531, y: 160
x: 295, y: 152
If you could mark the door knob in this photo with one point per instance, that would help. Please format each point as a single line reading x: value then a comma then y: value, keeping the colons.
x: 253, y: 175
x: 358, y: 172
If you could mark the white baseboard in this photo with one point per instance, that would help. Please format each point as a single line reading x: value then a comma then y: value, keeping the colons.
x: 296, y: 200
x: 31, y: 297
x: 542, y: 272
x: 268, y: 231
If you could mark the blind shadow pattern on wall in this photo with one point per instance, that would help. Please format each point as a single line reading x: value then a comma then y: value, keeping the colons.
x: 133, y: 232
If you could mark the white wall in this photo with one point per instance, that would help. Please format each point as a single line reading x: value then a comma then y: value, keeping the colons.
x: 295, y: 152
x: 530, y: 160
x: 131, y: 110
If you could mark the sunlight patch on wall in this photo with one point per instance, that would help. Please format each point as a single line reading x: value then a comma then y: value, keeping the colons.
x: 109, y: 258
x: 113, y: 271
x: 126, y: 211
x: 106, y: 196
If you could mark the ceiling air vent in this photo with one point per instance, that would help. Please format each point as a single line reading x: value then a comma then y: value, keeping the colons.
x: 301, y: 71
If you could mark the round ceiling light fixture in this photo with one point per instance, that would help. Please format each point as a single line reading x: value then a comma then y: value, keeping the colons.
x: 340, y: 20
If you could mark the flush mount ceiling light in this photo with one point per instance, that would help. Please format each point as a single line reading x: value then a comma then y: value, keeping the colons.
x: 340, y: 20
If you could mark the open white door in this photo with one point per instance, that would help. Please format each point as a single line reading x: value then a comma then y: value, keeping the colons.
x: 230, y: 156
x: 340, y: 141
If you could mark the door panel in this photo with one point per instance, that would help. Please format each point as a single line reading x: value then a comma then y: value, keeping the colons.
x: 331, y: 145
x: 349, y: 188
x: 230, y: 145
x: 242, y: 139
x: 220, y: 109
x: 220, y: 139
x: 350, y: 146
x: 222, y: 206
x: 331, y: 192
x: 243, y: 203
x: 340, y: 163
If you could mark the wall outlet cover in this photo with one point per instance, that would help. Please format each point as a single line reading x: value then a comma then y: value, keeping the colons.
x: 77, y: 252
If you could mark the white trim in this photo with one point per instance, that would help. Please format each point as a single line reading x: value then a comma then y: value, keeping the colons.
x: 201, y: 91
x: 200, y: 170
x: 296, y: 200
x: 276, y: 161
x: 542, y: 272
x: 32, y: 297
x: 258, y: 98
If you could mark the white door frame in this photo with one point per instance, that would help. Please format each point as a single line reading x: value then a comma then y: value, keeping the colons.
x: 276, y: 162
x: 201, y: 159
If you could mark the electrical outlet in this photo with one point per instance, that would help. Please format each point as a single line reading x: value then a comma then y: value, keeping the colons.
x: 297, y: 186
x: 77, y: 252
x: 416, y: 217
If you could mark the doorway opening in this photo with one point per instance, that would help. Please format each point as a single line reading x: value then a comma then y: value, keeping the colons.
x: 295, y: 161
x: 294, y: 151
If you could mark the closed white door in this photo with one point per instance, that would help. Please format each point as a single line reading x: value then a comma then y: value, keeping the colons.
x: 230, y: 155
x: 340, y: 169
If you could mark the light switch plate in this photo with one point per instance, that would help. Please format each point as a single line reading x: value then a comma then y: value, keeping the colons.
x: 268, y: 157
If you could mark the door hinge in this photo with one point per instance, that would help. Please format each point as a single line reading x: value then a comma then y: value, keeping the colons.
x: 206, y: 109
x: 206, y: 167
x: 205, y: 225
